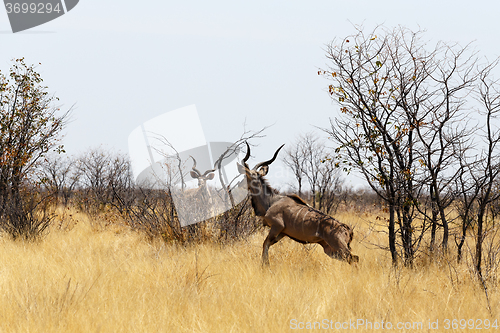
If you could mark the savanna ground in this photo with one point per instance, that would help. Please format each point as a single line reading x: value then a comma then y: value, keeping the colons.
x: 85, y: 277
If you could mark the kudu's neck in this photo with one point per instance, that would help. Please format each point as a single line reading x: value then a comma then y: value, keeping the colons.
x: 263, y: 197
x: 203, y: 190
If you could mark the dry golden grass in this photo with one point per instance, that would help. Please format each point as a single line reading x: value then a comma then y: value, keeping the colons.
x: 91, y: 279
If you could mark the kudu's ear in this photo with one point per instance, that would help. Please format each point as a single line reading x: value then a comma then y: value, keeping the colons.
x: 210, y: 176
x: 241, y: 169
x: 194, y: 174
x: 264, y: 170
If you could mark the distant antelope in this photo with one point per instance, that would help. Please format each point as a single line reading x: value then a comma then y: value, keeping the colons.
x: 196, y: 204
x: 289, y: 215
x: 202, y: 178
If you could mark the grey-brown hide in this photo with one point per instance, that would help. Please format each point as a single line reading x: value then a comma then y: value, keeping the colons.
x: 289, y: 215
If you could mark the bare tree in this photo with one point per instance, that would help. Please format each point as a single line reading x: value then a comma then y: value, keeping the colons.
x: 294, y: 160
x: 122, y: 193
x: 486, y: 177
x: 105, y: 179
x: 466, y: 195
x: 330, y: 189
x: 93, y: 167
x: 310, y: 159
x: 59, y: 176
x: 312, y: 154
x: 402, y: 110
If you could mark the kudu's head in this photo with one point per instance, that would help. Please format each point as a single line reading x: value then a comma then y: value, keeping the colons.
x: 202, y: 178
x: 255, y: 181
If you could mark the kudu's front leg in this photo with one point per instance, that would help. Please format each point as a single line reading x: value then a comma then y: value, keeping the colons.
x: 272, y: 238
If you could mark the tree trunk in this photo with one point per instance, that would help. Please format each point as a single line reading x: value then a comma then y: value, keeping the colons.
x: 392, y: 235
x: 444, y: 244
x: 465, y: 223
x: 479, y: 240
x: 407, y: 236
x: 432, y: 245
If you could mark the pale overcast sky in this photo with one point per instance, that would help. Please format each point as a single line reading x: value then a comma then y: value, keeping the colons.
x: 124, y: 62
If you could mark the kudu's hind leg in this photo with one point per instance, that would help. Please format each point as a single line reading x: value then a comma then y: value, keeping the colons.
x: 277, y: 239
x: 272, y: 238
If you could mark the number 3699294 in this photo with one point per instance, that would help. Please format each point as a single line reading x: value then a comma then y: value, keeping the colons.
x: 38, y: 8
x: 477, y: 324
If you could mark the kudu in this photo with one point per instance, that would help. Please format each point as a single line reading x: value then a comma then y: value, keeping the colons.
x: 202, y: 178
x: 195, y: 204
x: 289, y: 215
